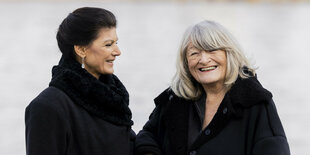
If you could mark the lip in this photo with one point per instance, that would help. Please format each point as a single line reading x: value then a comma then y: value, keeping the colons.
x: 110, y: 61
x: 208, y: 68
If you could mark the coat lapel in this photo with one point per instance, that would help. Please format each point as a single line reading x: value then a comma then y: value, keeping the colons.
x: 177, y: 124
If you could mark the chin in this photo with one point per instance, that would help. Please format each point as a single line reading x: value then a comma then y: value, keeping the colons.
x: 110, y: 71
x: 209, y: 81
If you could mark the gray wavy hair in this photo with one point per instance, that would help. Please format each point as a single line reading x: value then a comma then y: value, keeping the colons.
x: 208, y: 35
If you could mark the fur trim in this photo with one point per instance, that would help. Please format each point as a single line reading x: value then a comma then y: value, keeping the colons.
x: 248, y: 92
x: 106, y: 98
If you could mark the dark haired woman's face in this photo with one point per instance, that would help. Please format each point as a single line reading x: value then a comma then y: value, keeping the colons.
x: 101, y: 53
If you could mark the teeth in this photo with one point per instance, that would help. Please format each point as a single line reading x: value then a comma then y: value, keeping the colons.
x: 208, y: 68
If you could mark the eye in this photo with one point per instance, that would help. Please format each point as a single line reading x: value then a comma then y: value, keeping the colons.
x: 216, y: 49
x: 193, y: 53
x: 111, y: 43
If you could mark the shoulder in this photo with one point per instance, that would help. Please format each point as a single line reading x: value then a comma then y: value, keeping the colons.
x: 48, y: 102
x: 46, y: 119
x: 248, y: 92
x: 168, y: 96
x: 269, y: 132
x: 264, y: 119
x: 170, y: 105
x: 164, y: 97
x: 50, y: 96
x: 271, y: 115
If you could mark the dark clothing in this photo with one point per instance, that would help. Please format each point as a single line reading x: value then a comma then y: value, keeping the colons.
x: 246, y: 123
x: 79, y: 115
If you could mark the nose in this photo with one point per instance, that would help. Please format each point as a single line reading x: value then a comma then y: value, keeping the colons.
x: 205, y: 57
x: 116, y: 51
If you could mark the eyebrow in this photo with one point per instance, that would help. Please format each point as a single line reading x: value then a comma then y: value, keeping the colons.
x: 190, y: 47
x: 110, y: 40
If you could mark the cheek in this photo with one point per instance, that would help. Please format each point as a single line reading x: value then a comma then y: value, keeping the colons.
x: 100, y: 55
x: 193, y: 71
x: 92, y: 53
x: 191, y: 68
x: 96, y: 59
x: 224, y: 58
x: 221, y: 59
x: 224, y: 66
x: 191, y: 64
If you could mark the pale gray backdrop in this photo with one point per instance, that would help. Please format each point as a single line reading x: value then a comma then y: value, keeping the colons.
x: 275, y: 36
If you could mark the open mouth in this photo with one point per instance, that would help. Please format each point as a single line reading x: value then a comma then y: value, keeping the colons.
x: 110, y: 61
x: 207, y: 68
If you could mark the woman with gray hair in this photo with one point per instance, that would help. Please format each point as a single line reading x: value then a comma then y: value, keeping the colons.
x: 215, y: 104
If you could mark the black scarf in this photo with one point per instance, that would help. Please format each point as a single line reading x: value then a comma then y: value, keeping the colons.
x: 107, y: 98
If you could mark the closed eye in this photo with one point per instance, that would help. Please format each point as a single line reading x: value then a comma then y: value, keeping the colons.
x: 194, y: 53
x: 109, y: 43
x: 216, y: 49
x: 212, y: 50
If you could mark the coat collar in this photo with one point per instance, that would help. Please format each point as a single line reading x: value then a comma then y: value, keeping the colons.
x: 106, y: 98
x: 243, y: 94
x: 175, y: 118
x: 246, y: 93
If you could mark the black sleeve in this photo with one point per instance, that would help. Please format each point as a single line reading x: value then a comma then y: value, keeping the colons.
x: 46, y: 130
x: 147, y: 138
x: 270, y: 136
x: 132, y: 141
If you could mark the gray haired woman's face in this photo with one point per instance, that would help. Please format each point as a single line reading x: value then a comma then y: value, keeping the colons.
x: 207, y: 67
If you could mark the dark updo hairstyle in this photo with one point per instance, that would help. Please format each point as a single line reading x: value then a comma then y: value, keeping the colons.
x: 81, y: 27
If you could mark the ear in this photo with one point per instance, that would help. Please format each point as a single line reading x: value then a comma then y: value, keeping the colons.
x: 80, y: 50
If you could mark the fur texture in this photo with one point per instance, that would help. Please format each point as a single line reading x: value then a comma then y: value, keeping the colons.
x: 106, y: 98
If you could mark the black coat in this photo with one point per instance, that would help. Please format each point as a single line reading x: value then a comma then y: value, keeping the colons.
x: 246, y: 123
x: 79, y: 115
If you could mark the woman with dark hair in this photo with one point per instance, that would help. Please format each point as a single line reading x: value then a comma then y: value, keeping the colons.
x: 84, y: 111
x: 215, y: 104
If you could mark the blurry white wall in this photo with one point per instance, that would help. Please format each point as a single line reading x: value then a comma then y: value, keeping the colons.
x: 275, y: 36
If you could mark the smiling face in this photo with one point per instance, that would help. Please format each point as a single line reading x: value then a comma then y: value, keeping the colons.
x: 99, y: 56
x: 207, y: 67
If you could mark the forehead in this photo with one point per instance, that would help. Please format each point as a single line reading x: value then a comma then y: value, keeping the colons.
x: 107, y: 34
x: 192, y: 47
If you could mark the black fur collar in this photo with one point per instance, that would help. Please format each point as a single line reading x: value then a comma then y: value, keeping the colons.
x: 106, y: 98
x: 243, y: 94
x: 248, y: 92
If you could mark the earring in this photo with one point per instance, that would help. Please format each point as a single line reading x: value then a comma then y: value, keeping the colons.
x: 83, y: 65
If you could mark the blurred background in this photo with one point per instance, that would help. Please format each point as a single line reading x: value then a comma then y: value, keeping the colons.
x: 275, y: 35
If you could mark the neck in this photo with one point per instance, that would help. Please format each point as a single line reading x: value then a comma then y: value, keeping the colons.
x: 215, y: 93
